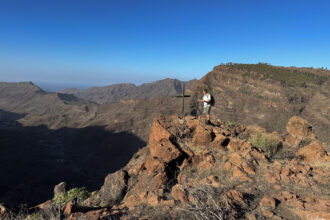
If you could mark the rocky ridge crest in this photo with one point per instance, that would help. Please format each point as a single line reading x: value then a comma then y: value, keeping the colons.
x: 191, y: 170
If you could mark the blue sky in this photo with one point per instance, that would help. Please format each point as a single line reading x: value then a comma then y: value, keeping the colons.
x: 100, y: 42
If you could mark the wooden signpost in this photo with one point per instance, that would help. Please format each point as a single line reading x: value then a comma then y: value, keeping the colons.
x: 183, y: 96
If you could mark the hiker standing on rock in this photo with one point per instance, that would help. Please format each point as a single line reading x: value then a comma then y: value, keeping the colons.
x: 207, y: 104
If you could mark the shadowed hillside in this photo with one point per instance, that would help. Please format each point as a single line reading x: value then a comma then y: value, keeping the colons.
x: 34, y: 158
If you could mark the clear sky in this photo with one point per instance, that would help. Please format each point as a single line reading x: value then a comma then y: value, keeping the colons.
x: 100, y: 42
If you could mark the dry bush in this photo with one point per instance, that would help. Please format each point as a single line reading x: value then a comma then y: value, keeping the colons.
x: 265, y: 143
x: 206, y: 203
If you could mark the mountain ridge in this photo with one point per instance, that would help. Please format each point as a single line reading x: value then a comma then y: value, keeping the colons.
x: 114, y: 93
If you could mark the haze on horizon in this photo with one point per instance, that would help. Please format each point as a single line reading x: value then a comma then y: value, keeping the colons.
x: 92, y: 43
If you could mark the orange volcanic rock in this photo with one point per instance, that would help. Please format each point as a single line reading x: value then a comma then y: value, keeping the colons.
x: 314, y: 152
x: 212, y: 169
x: 160, y: 143
x: 237, y: 145
x: 299, y: 128
x: 202, y: 136
x: 179, y: 193
x: 68, y: 208
x: 268, y: 202
x: 236, y: 197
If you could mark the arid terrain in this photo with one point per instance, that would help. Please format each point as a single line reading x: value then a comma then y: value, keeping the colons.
x: 218, y: 171
x: 115, y: 93
x: 250, y: 163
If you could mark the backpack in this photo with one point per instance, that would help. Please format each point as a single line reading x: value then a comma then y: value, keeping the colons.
x: 212, y: 100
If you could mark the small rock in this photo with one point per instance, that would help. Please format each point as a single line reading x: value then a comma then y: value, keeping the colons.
x: 268, y: 214
x: 2, y: 209
x: 60, y: 189
x: 202, y: 136
x: 178, y: 193
x: 113, y: 188
x: 250, y: 216
x: 154, y: 200
x: 268, y: 202
x: 68, y: 208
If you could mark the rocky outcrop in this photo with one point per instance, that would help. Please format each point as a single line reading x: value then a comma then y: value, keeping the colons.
x: 190, y: 169
x: 298, y: 130
x: 313, y: 153
x: 114, y: 188
x: 297, y: 127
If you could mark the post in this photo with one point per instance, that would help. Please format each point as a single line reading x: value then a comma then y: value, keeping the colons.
x: 182, y: 96
x: 183, y: 100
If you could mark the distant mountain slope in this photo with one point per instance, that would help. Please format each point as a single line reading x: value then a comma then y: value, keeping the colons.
x: 268, y: 95
x: 41, y: 107
x: 114, y: 93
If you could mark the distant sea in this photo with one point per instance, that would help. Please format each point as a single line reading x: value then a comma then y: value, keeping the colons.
x: 55, y: 87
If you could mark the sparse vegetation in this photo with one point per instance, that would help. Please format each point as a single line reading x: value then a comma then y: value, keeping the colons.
x: 229, y: 124
x: 35, y: 216
x: 205, y: 203
x: 190, y: 171
x: 265, y: 143
x: 76, y: 193
x: 286, y: 76
x: 135, y: 156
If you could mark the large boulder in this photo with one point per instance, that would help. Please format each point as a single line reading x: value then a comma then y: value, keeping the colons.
x: 113, y: 189
x: 297, y: 127
x: 312, y: 153
x: 202, y: 136
x: 236, y: 144
x: 161, y: 143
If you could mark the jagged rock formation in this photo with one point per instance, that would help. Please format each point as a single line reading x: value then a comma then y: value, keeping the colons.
x: 222, y: 173
x: 114, y: 93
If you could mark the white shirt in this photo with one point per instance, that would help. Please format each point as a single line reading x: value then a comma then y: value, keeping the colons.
x: 207, y: 98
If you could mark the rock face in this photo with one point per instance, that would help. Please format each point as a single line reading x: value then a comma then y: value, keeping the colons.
x: 114, y: 188
x: 161, y: 143
x: 232, y: 179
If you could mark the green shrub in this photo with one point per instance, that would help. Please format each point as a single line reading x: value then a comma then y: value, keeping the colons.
x: 190, y: 171
x: 229, y: 124
x: 75, y: 193
x: 265, y: 143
